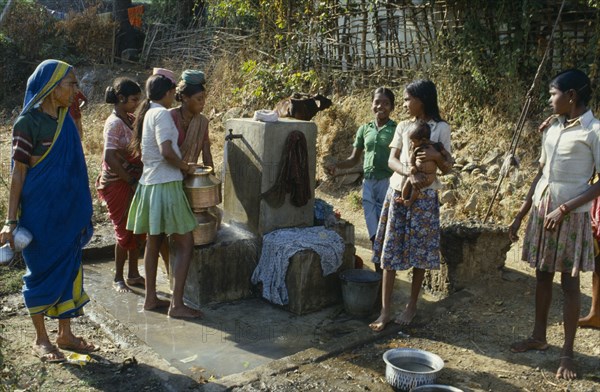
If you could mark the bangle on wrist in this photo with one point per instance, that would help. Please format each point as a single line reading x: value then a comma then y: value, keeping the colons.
x: 9, y: 222
x: 564, y: 209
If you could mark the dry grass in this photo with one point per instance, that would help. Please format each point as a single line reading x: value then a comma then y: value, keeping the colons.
x: 337, y: 127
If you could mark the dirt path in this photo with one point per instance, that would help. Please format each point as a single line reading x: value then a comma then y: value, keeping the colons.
x: 471, y: 330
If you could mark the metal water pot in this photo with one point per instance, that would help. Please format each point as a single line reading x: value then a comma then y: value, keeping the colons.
x: 202, y: 188
x: 206, y: 231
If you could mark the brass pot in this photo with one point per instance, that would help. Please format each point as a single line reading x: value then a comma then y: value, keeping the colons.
x: 206, y: 231
x: 202, y: 188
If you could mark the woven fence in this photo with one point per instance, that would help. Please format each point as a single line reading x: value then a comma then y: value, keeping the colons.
x: 393, y: 39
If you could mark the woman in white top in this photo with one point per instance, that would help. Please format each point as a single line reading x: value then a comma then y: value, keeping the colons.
x: 159, y: 207
x: 558, y: 237
x: 410, y: 236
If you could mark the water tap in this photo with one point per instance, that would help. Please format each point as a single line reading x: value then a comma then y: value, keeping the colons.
x: 231, y: 136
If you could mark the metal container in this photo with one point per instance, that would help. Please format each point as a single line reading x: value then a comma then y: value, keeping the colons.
x: 407, y: 368
x: 359, y: 291
x: 22, y: 237
x: 436, y: 388
x: 202, y: 188
x: 206, y: 231
x: 6, y: 254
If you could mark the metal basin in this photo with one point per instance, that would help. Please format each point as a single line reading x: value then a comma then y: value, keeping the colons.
x: 407, y: 368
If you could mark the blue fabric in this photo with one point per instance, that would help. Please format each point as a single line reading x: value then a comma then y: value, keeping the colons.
x: 279, y: 246
x: 373, y: 195
x: 56, y: 207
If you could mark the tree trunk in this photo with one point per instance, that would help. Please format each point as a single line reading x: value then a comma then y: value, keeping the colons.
x: 120, y: 14
x: 185, y: 12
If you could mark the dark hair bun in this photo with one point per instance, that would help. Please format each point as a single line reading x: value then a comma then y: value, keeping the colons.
x: 110, y: 95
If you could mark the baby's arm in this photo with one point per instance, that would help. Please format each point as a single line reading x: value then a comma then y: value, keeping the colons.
x: 447, y: 162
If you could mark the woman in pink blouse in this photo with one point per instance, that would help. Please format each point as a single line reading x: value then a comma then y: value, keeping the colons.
x: 120, y: 174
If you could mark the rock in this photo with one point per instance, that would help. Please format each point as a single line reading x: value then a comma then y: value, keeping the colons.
x: 469, y: 167
x: 447, y: 214
x: 347, y: 179
x: 493, y: 171
x: 471, y: 204
x: 461, y: 161
x: 130, y: 54
x: 235, y: 112
x: 448, y: 197
x: 451, y: 180
x: 459, y: 145
x: 491, y: 157
x: 507, y: 189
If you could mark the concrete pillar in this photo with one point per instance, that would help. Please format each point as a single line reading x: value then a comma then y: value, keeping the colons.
x: 252, y: 167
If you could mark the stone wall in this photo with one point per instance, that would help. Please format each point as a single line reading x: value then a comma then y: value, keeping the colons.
x: 470, y: 252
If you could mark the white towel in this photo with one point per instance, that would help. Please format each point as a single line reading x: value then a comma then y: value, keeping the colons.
x: 265, y: 115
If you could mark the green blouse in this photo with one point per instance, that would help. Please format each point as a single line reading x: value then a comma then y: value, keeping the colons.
x: 376, y: 145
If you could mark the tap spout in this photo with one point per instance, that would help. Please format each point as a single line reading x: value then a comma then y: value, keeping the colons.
x: 231, y: 136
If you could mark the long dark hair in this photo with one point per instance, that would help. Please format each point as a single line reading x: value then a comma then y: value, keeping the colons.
x: 121, y: 86
x: 157, y: 86
x: 388, y: 93
x: 426, y: 92
x: 574, y: 79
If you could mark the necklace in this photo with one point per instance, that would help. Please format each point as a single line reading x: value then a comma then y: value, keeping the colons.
x: 185, y: 123
x: 125, y: 119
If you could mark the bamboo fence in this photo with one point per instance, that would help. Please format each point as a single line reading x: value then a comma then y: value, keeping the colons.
x: 387, y: 39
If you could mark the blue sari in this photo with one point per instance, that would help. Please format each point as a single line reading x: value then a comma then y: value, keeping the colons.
x: 56, y: 207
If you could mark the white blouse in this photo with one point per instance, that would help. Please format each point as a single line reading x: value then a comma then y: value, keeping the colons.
x: 570, y: 152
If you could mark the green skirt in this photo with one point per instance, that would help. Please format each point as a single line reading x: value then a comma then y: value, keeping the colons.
x: 160, y: 208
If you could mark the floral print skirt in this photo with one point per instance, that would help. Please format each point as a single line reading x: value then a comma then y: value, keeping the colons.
x: 408, y: 237
x: 569, y: 249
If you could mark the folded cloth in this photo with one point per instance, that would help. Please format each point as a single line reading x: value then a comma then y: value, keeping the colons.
x: 265, y: 115
x: 280, y: 245
x: 192, y: 76
x: 167, y: 73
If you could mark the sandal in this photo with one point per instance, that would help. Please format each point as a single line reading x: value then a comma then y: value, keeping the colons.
x: 50, y: 354
x: 79, y: 345
x: 528, y: 345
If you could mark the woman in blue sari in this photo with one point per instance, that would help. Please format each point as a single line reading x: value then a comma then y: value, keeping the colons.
x: 50, y: 197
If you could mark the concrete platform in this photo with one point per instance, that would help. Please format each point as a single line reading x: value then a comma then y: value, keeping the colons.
x: 232, y: 338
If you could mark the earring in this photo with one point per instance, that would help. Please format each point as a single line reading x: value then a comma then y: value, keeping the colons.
x: 570, y: 101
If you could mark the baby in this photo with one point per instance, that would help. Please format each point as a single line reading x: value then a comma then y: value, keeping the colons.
x: 419, y: 140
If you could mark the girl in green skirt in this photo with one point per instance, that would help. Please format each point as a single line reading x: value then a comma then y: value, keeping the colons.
x: 159, y: 207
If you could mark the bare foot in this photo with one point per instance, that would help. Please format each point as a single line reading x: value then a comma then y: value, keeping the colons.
x: 528, y: 344
x: 136, y: 281
x: 566, y: 369
x: 589, y: 321
x: 407, y: 316
x: 121, y: 287
x: 156, y: 303
x: 184, y: 312
x: 48, y: 353
x: 379, y: 324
